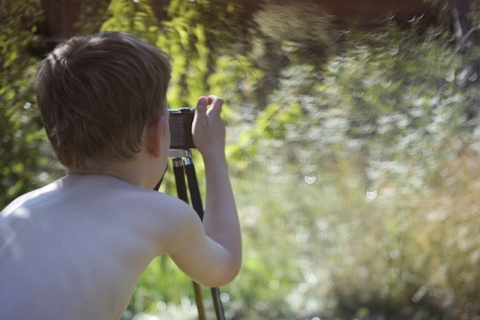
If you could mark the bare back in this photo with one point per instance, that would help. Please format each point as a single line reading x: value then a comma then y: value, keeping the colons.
x: 76, y: 248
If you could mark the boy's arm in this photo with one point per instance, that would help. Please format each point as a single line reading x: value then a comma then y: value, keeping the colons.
x: 220, y: 219
x: 220, y: 253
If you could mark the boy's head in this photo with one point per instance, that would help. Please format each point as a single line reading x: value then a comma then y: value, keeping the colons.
x: 97, y: 94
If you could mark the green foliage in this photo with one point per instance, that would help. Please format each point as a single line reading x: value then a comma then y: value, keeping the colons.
x: 25, y: 161
x: 135, y: 17
x: 296, y: 23
x: 387, y: 103
x: 378, y: 127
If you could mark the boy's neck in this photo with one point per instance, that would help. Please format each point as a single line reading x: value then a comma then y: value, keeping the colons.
x: 120, y: 171
x: 144, y: 171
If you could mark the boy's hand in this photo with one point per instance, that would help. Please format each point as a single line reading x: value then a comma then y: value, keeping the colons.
x: 208, y: 129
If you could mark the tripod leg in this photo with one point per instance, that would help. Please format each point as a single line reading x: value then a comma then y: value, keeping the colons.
x: 197, y: 289
x: 217, y: 303
x: 193, y: 187
x: 179, y: 173
x: 197, y: 205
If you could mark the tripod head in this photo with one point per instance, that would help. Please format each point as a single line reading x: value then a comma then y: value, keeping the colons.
x: 180, y: 153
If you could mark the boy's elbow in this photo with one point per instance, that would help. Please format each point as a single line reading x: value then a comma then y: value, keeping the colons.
x: 228, y: 275
x: 235, y: 267
x: 224, y: 280
x: 234, y: 272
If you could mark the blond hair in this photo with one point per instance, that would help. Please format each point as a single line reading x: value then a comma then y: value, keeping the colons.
x: 97, y: 93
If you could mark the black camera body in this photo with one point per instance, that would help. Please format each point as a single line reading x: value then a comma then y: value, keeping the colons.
x: 180, y: 122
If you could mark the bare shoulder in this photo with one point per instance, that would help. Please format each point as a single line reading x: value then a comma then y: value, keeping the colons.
x: 170, y: 219
x: 20, y: 201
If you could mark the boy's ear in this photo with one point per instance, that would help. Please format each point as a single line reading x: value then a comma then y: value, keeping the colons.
x: 154, y: 136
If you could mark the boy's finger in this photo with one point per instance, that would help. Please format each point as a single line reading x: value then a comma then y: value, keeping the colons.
x: 202, y: 104
x: 201, y: 110
x: 216, y: 108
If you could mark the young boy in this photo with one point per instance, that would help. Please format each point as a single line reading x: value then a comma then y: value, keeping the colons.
x: 75, y: 248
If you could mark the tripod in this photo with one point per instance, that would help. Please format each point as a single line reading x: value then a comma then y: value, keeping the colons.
x: 183, y: 167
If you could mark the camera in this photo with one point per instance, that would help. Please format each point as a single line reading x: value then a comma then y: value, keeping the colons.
x: 180, y: 122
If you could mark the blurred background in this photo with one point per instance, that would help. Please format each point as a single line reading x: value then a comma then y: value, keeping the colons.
x: 353, y: 142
